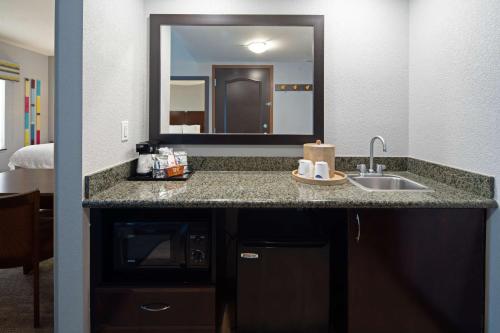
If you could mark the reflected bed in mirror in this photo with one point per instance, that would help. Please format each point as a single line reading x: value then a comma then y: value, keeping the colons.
x: 234, y: 79
x: 189, y: 111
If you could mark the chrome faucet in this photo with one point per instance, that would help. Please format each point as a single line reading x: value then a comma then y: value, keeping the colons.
x: 384, y: 146
x: 380, y: 167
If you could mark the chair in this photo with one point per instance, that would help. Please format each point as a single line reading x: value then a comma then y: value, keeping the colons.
x: 26, y: 238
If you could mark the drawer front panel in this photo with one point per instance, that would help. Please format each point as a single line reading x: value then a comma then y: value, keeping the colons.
x: 186, y: 329
x: 174, y: 307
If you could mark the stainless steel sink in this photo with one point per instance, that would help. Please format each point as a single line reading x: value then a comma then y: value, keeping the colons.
x: 387, y: 183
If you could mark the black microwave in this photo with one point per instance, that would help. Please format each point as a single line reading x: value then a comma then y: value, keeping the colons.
x: 161, y: 246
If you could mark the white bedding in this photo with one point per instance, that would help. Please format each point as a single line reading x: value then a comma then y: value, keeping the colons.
x: 191, y: 129
x: 33, y: 157
x: 184, y: 129
x: 175, y: 129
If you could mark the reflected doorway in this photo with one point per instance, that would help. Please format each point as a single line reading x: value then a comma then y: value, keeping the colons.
x: 243, y: 99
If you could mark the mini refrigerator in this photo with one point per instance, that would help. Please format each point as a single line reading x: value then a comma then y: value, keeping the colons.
x: 283, y: 282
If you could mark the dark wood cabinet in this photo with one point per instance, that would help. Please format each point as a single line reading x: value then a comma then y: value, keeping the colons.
x: 149, y: 309
x: 416, y: 270
x: 386, y: 271
x: 155, y: 330
x: 170, y: 295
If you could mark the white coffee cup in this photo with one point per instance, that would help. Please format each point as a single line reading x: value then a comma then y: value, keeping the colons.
x: 321, y: 170
x: 306, y: 168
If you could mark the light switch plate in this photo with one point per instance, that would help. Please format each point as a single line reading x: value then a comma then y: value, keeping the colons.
x: 125, y: 131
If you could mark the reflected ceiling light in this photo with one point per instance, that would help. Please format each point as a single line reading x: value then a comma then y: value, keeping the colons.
x: 258, y: 47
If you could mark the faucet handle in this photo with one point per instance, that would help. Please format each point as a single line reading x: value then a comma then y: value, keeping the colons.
x: 380, y: 168
x: 361, y: 168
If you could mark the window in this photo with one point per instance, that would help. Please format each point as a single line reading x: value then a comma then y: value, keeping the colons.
x: 2, y: 114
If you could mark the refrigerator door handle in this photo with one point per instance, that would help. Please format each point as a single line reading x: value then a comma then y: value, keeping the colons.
x: 249, y: 255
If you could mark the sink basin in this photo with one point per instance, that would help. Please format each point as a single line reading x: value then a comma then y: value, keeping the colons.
x: 387, y: 183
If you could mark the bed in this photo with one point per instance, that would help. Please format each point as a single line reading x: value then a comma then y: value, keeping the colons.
x: 192, y: 122
x: 184, y: 129
x: 33, y: 157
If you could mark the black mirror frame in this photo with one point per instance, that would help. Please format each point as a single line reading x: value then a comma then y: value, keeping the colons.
x: 157, y: 20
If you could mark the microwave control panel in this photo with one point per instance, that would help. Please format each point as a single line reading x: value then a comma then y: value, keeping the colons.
x: 199, y: 253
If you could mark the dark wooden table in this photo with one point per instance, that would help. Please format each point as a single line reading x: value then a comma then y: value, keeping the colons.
x: 27, y: 180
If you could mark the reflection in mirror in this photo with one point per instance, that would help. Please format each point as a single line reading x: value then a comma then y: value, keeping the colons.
x: 188, y: 112
x: 237, y: 79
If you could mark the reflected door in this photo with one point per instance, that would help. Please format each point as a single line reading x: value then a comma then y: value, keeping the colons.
x: 242, y: 99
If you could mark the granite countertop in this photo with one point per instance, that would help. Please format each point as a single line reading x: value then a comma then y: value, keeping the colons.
x: 261, y: 189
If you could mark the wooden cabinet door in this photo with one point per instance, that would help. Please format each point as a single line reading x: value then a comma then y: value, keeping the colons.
x: 243, y: 98
x: 416, y: 270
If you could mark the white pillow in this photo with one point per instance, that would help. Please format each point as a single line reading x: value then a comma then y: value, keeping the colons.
x: 33, y: 157
x: 175, y: 129
x: 191, y: 129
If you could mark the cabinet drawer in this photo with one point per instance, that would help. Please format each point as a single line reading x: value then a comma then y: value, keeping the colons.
x: 185, y: 329
x: 156, y: 308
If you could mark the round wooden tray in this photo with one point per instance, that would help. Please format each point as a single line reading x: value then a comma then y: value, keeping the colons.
x: 336, y: 178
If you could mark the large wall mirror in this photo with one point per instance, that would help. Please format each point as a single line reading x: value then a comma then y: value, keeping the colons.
x: 236, y: 79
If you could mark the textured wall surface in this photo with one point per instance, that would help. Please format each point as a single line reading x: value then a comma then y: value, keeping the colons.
x: 51, y: 92
x: 114, y: 80
x: 455, y: 100
x: 33, y: 66
x: 366, y: 68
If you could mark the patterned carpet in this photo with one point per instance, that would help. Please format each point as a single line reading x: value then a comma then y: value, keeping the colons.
x: 16, y: 300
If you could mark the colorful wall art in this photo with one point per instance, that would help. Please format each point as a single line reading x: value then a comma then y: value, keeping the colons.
x: 32, y: 111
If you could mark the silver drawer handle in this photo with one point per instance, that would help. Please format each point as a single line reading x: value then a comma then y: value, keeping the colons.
x: 155, y: 307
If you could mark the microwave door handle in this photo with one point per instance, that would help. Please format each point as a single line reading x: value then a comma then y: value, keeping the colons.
x: 122, y: 253
x: 185, y: 246
x: 182, y: 244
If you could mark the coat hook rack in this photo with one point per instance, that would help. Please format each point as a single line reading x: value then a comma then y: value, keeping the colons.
x: 293, y: 87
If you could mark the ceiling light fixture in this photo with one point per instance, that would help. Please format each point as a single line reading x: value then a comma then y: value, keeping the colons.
x: 258, y: 47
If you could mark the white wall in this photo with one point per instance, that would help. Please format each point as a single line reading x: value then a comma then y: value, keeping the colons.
x: 114, y: 88
x: 114, y: 81
x: 366, y: 68
x: 52, y: 64
x: 33, y: 66
x: 187, y: 97
x: 293, y: 110
x: 455, y: 99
